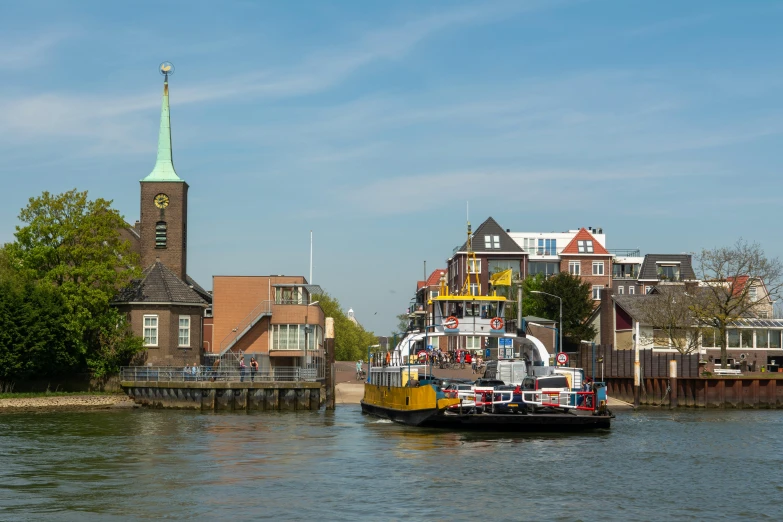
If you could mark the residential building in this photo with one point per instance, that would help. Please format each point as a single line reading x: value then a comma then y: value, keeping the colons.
x: 670, y: 268
x: 752, y: 341
x: 586, y: 257
x: 421, y: 311
x: 544, y: 249
x: 495, y: 251
x: 626, y: 265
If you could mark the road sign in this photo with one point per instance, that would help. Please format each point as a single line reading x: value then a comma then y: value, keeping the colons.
x: 429, y: 347
x: 562, y: 358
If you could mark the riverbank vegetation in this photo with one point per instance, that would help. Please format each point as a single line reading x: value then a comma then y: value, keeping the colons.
x: 57, y: 281
x: 350, y: 338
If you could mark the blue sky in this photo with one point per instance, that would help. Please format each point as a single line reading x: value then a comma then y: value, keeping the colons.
x: 372, y: 123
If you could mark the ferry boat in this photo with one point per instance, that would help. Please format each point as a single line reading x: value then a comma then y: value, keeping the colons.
x: 401, y: 389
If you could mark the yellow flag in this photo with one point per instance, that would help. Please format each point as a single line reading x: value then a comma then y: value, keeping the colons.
x: 501, y: 278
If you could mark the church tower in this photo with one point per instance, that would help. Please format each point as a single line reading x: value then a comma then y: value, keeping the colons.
x: 163, y: 227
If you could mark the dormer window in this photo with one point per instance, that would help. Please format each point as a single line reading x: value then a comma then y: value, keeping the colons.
x: 585, y: 246
x: 160, y: 234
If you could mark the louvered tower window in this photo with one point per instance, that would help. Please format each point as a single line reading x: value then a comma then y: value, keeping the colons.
x: 160, y: 234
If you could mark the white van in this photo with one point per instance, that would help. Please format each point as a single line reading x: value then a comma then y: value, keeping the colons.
x: 512, y: 372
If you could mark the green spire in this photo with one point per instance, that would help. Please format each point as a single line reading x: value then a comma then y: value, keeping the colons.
x: 164, y: 166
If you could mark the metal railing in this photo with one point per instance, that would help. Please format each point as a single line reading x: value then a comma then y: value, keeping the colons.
x: 264, y: 308
x: 210, y: 374
x: 625, y: 252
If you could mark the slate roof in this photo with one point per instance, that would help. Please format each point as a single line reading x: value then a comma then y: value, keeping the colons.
x: 583, y: 235
x: 631, y: 303
x: 490, y: 227
x: 158, y: 284
x: 649, y: 269
x: 206, y: 296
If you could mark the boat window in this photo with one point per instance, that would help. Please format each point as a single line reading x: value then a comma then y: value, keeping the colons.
x: 472, y: 309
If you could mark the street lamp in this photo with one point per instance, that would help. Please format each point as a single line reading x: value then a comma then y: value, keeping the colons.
x: 560, y: 340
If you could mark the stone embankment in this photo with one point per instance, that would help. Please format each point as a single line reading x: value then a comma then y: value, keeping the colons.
x: 65, y: 402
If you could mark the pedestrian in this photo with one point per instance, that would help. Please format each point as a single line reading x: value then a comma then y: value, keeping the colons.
x: 462, y: 360
x: 194, y: 371
x: 253, y: 369
x: 473, y: 364
x: 242, y: 367
x: 388, y: 358
x: 215, y: 368
x: 359, y: 370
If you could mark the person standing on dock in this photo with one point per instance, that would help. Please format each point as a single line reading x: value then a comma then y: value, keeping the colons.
x: 253, y: 369
x: 388, y: 358
x: 242, y: 367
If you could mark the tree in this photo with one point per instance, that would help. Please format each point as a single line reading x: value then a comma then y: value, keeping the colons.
x: 402, y: 323
x: 350, y: 339
x: 531, y: 304
x: 578, y: 305
x: 731, y: 277
x: 670, y: 311
x: 75, y: 245
x: 34, y: 338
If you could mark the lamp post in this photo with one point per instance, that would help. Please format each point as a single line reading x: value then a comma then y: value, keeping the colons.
x: 560, y: 332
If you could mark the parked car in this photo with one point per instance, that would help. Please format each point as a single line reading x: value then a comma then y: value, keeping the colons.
x: 488, y: 383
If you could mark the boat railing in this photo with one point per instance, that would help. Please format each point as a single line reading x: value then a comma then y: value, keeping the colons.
x: 579, y: 400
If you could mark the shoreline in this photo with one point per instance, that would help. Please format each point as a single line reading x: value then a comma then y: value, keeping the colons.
x: 76, y: 402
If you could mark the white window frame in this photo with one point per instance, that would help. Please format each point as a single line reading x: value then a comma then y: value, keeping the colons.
x: 575, y: 268
x: 434, y: 294
x: 597, y: 294
x: 153, y: 329
x: 585, y: 246
x: 599, y: 265
x: 631, y: 290
x: 488, y: 242
x: 621, y: 290
x: 185, y: 329
x: 496, y: 242
x: 473, y: 342
x: 476, y: 268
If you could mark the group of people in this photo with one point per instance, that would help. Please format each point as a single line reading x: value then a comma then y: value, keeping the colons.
x: 197, y: 372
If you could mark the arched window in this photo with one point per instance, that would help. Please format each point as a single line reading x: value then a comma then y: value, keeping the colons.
x: 160, y: 234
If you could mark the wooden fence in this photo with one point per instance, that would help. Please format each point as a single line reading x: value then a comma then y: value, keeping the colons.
x: 619, y: 363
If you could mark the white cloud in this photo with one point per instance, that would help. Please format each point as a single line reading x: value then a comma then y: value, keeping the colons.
x: 30, y: 52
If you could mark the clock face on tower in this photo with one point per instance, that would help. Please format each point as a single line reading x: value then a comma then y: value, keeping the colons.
x: 161, y: 201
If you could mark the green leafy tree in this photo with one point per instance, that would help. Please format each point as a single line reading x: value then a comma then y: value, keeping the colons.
x: 34, y: 337
x: 402, y: 323
x: 74, y: 244
x: 578, y: 305
x: 350, y: 339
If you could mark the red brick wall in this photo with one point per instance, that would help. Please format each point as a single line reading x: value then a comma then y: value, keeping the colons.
x: 235, y: 297
x: 174, y: 256
x: 586, y: 269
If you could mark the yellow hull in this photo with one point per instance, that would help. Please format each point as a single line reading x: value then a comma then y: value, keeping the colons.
x: 405, y: 398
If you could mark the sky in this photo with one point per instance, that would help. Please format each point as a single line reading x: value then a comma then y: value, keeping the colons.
x: 374, y: 123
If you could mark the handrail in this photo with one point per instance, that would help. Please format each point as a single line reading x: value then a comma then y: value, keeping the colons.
x: 220, y: 374
x: 263, y: 308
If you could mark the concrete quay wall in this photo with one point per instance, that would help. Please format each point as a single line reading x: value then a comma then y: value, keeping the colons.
x: 223, y: 396
x: 741, y: 392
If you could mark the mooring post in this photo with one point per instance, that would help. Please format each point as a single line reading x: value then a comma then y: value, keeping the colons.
x: 673, y: 383
x: 637, y: 368
x: 329, y: 347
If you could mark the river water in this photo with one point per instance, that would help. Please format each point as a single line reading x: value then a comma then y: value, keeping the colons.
x: 142, y: 464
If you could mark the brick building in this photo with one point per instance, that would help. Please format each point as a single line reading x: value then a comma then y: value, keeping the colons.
x: 166, y: 307
x: 271, y: 318
x: 585, y: 257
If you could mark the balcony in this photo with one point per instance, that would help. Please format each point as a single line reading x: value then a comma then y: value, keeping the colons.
x: 625, y: 252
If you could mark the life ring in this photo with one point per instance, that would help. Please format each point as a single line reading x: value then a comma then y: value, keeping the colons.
x: 496, y: 323
x: 451, y: 322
